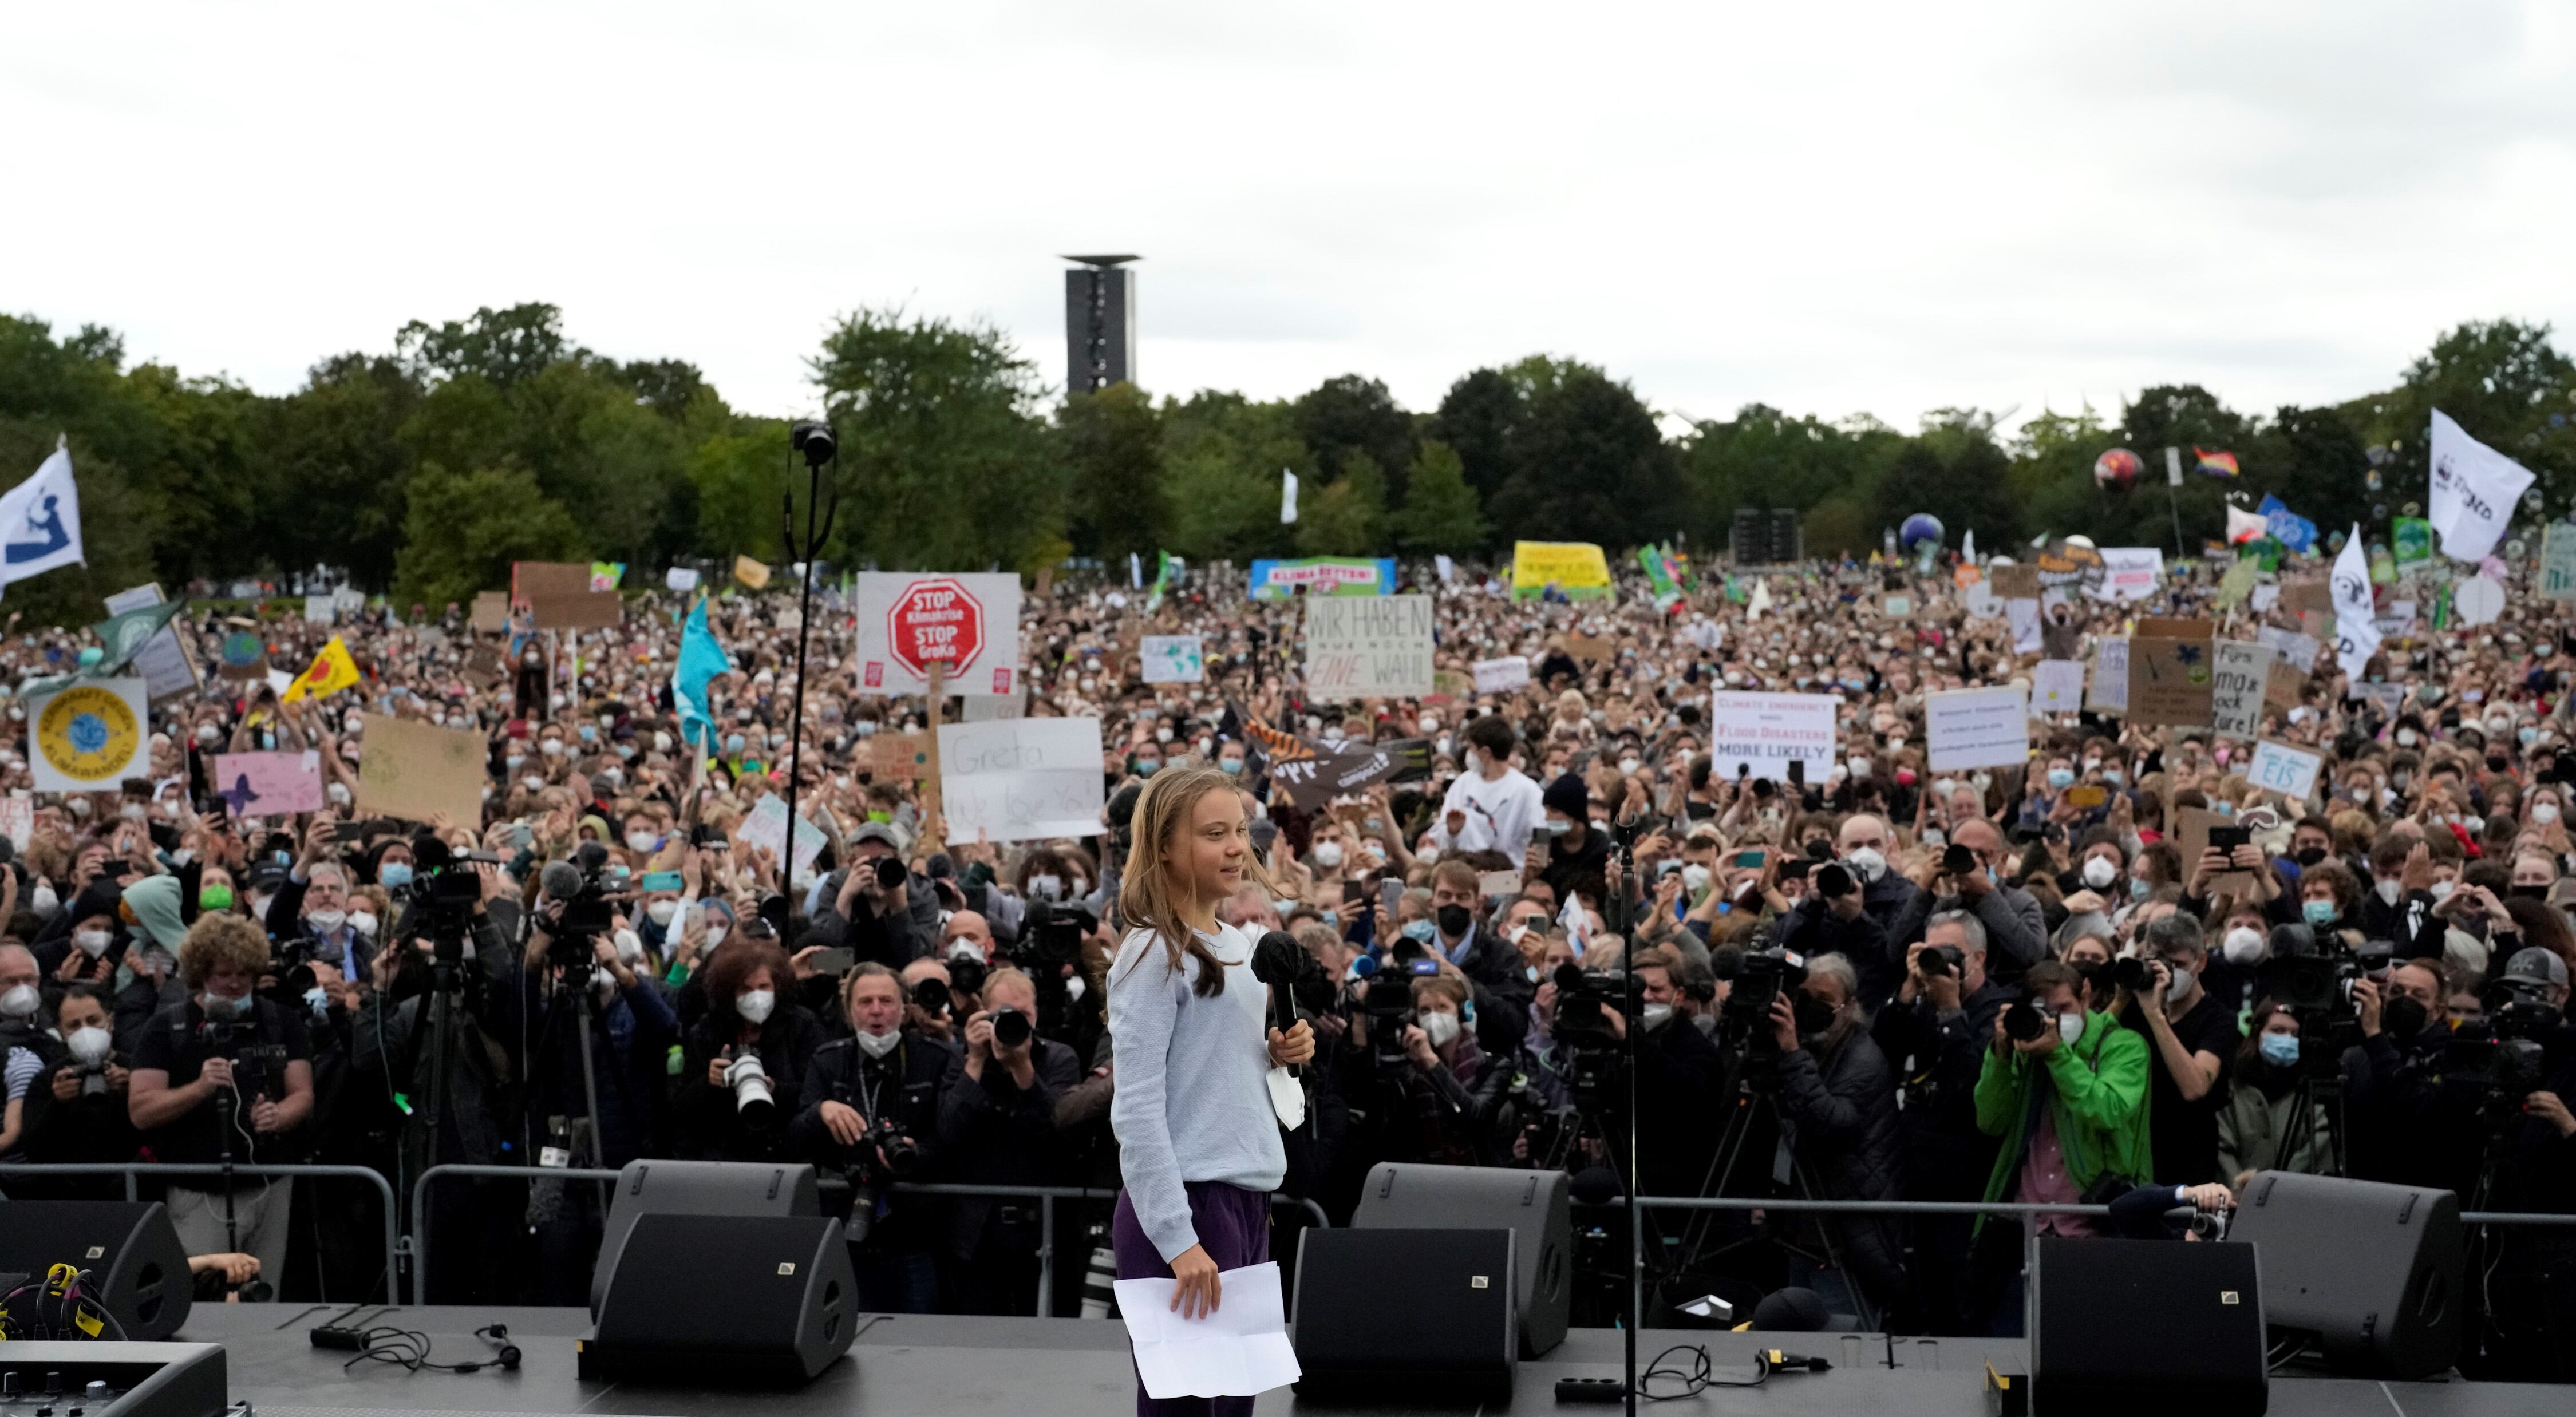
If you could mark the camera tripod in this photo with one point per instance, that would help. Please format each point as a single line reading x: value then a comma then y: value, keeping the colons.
x: 2301, y: 1129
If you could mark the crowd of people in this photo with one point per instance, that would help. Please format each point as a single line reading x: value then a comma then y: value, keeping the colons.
x: 1885, y: 981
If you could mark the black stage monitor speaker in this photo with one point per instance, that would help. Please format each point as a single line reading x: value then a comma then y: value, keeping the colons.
x: 1531, y: 1204
x: 2376, y: 1271
x: 755, y: 1300
x: 697, y: 1188
x: 2146, y: 1328
x: 1423, y: 1315
x: 129, y: 1248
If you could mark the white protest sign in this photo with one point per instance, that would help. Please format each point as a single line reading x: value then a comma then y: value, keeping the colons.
x: 2296, y: 650
x: 2110, y: 676
x: 18, y: 819
x: 680, y: 578
x: 1981, y: 601
x: 2057, y: 686
x: 1172, y: 659
x: 2239, y: 673
x: 2278, y: 767
x: 1978, y: 728
x: 2477, y: 601
x: 1368, y: 646
x: 970, y: 622
x: 2356, y: 633
x: 1766, y: 732
x: 2129, y: 573
x: 2266, y: 596
x: 1502, y: 676
x: 1021, y: 778
x: 89, y: 737
x: 162, y: 661
x: 321, y: 609
x: 766, y: 825
x: 2474, y: 491
x: 2023, y: 616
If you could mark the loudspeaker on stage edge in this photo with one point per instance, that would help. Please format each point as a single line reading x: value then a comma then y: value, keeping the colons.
x: 1531, y: 1204
x: 698, y: 1188
x: 2376, y: 1271
x: 2146, y: 1328
x: 129, y: 1247
x: 709, y: 1300
x: 1406, y: 1314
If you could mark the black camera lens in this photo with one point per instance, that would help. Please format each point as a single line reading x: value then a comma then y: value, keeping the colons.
x: 2131, y: 973
x: 2024, y: 1022
x: 1943, y: 960
x: 1957, y: 860
x: 1011, y: 1028
x: 1832, y: 880
x: 890, y: 873
x: 931, y: 995
x: 965, y: 976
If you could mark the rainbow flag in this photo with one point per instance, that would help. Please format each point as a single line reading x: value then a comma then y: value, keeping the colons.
x: 2214, y: 464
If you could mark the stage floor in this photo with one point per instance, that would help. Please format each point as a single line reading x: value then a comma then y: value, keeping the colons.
x: 934, y: 1366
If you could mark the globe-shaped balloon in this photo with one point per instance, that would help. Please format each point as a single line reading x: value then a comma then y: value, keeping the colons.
x: 2117, y: 468
x: 1920, y: 528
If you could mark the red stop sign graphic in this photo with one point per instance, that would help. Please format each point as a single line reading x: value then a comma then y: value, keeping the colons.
x: 932, y: 621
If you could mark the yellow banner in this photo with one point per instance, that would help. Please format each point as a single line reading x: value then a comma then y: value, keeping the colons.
x: 1576, y: 567
x: 332, y: 671
x: 750, y: 572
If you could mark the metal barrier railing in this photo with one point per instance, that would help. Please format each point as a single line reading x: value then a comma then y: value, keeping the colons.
x: 1046, y: 1213
x: 134, y: 1170
x: 1787, y: 1204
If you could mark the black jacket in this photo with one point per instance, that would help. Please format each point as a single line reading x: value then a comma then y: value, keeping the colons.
x: 2410, y: 1119
x: 908, y: 1085
x: 1938, y: 1058
x: 999, y: 1133
x: 1839, y: 1105
x: 1503, y: 988
x: 1869, y: 940
x: 708, y: 1119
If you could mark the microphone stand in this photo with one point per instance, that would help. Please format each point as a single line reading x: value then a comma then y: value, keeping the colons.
x: 1618, y: 906
x: 817, y: 451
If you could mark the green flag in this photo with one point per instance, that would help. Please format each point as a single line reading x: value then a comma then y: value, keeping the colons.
x: 124, y: 636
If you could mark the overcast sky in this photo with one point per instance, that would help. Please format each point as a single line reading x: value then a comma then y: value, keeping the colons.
x: 1830, y: 208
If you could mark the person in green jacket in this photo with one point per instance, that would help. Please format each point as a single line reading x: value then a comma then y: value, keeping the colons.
x: 2071, y: 1106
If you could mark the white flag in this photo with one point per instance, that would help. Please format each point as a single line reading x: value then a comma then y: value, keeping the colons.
x: 1135, y: 570
x: 2356, y: 621
x: 2474, y: 491
x: 1968, y: 547
x: 40, y: 521
x: 1448, y: 569
x: 1287, y: 496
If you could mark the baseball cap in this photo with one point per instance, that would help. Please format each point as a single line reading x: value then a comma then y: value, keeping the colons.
x: 2534, y: 965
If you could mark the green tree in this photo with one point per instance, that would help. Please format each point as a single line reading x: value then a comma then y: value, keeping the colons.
x: 1764, y: 458
x: 1351, y: 414
x: 1439, y: 512
x: 1112, y: 446
x: 1347, y: 517
x: 336, y: 446
x: 1222, y: 456
x: 947, y: 466
x: 465, y: 529
x: 740, y: 476
x: 2505, y: 383
x: 504, y: 346
x: 1480, y: 418
x: 1587, y: 462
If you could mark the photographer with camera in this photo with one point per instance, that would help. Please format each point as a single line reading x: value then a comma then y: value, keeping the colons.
x: 1969, y: 877
x: 874, y: 907
x: 1838, y: 1105
x: 1935, y: 1032
x: 1854, y: 907
x: 2411, y: 1118
x: 2193, y: 1037
x: 75, y: 1110
x: 997, y: 1127
x: 224, y: 1077
x: 870, y: 1108
x: 749, y: 1050
x: 1679, y: 1069
x: 1493, y: 967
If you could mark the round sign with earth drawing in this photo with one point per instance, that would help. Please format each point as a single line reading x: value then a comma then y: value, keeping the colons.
x: 88, y: 733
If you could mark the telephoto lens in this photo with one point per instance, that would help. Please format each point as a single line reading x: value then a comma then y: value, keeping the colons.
x: 890, y: 873
x: 2024, y: 1022
x: 931, y: 996
x: 752, y: 1098
x: 1011, y: 1028
x: 2131, y: 973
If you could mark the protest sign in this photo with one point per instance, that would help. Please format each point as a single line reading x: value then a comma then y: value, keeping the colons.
x: 484, y: 666
x: 1981, y: 600
x: 89, y: 736
x: 898, y: 757
x: 2278, y: 767
x: 2558, y: 562
x: 1172, y: 659
x: 2110, y: 691
x: 2477, y: 601
x: 2068, y: 566
x: 492, y: 610
x: 2057, y: 686
x: 1021, y: 778
x: 576, y: 610
x: 411, y: 770
x: 531, y: 581
x: 2169, y: 672
x: 1591, y: 649
x: 1574, y: 568
x: 2014, y: 582
x: 1898, y: 607
x: 2192, y: 828
x: 2297, y: 650
x: 1322, y: 575
x: 2129, y: 573
x: 162, y: 660
x: 766, y: 825
x: 908, y: 621
x: 268, y: 784
x: 2265, y: 597
x: 2300, y: 597
x: 1333, y: 770
x: 1368, y: 647
x: 321, y: 610
x: 2239, y: 678
x: 18, y: 820
x: 244, y: 657
x: 1766, y: 732
x: 984, y: 708
x: 2281, y: 688
x: 2023, y: 617
x: 680, y: 578
x: 753, y: 574
x: 1502, y: 676
x: 1977, y: 728
x: 2474, y: 491
x: 2237, y: 583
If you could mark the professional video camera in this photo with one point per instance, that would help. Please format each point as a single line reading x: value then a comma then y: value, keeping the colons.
x: 1763, y: 972
x: 2313, y: 977
x: 1051, y: 937
x: 1585, y: 999
x: 442, y: 895
x: 870, y: 1177
x: 754, y: 1100
x: 1383, y: 995
x: 2510, y: 1058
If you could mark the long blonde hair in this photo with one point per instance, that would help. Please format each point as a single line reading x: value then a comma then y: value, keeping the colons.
x: 1150, y: 893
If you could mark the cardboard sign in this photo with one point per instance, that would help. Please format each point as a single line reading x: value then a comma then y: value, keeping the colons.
x: 2300, y: 597
x: 1021, y: 778
x: 410, y: 770
x: 2240, y: 677
x: 2171, y: 665
x: 268, y: 784
x: 1977, y: 728
x: 1591, y: 649
x: 1172, y: 659
x: 1498, y: 885
x: 2057, y: 686
x: 2193, y: 826
x: 2281, y: 687
x: 899, y: 757
x: 485, y: 666
x: 492, y: 611
x: 2014, y: 582
x: 532, y: 581
x: 1767, y: 732
x: 2110, y: 692
x: 581, y: 610
x: 2278, y: 767
x: 1502, y: 676
x: 1367, y: 647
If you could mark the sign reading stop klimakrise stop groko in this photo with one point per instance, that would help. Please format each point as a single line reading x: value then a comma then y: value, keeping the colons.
x: 935, y: 622
x: 966, y: 621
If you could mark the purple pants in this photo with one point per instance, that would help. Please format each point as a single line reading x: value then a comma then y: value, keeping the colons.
x: 1234, y: 1228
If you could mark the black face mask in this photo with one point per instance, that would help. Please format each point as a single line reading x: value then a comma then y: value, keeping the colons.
x: 1454, y: 921
x: 1814, y: 1015
x: 2527, y: 892
x: 2498, y: 762
x: 2402, y: 1017
x: 2310, y: 856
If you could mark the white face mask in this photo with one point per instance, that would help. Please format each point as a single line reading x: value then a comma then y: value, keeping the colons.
x: 19, y: 1002
x: 2544, y: 812
x: 2070, y: 1027
x: 2442, y: 889
x: 44, y: 902
x: 326, y: 921
x: 1866, y: 863
x: 641, y: 841
x: 877, y: 1045
x: 93, y: 942
x: 1441, y: 1029
x: 661, y: 911
x: 2388, y: 890
x: 2246, y: 945
x: 755, y: 1005
x: 91, y: 1044
x: 2179, y: 984
x: 1656, y: 1016
x: 630, y: 947
x: 1328, y: 854
x: 1695, y: 877
x: 963, y: 948
x: 716, y: 935
x: 2099, y: 873
x: 364, y: 922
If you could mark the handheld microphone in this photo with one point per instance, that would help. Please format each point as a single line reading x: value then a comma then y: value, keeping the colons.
x: 1277, y: 960
x: 561, y: 879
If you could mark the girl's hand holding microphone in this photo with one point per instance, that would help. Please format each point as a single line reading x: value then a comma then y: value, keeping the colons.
x: 1287, y: 1050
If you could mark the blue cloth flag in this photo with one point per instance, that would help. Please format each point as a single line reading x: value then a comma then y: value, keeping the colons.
x: 701, y: 659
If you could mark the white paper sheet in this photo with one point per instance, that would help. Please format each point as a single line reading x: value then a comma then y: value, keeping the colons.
x: 1240, y: 1350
